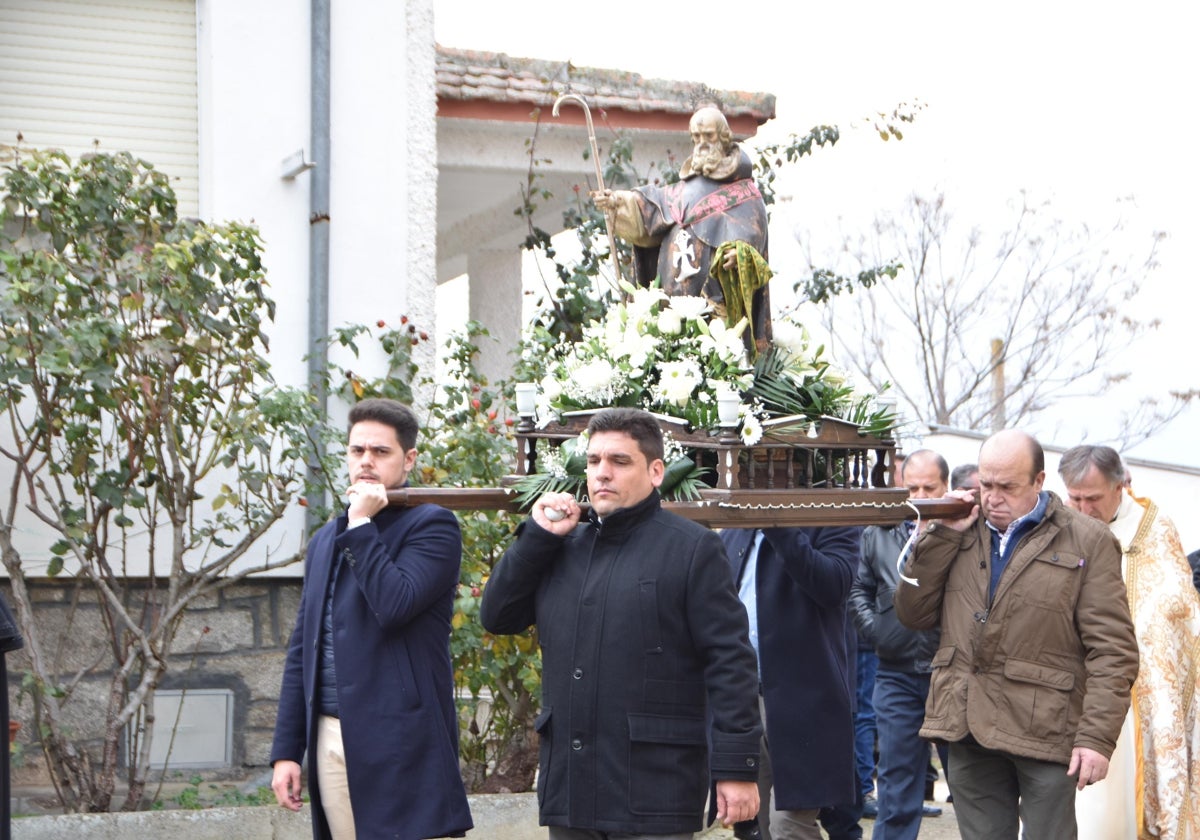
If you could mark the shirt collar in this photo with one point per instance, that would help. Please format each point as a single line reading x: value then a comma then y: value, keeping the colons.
x: 1022, y: 523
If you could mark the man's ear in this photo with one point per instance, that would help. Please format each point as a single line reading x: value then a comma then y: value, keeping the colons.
x: 657, y: 470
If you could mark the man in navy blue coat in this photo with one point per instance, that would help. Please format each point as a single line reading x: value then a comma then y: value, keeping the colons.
x: 794, y: 583
x: 368, y: 687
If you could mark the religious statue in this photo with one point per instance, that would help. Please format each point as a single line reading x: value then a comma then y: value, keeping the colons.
x: 713, y: 214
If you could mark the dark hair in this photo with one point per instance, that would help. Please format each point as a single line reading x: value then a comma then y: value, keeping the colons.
x: 1078, y: 461
x: 638, y: 424
x: 1038, y: 455
x: 960, y: 474
x: 943, y: 467
x: 390, y: 413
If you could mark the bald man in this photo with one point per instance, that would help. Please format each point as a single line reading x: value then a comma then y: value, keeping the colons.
x: 1031, y: 683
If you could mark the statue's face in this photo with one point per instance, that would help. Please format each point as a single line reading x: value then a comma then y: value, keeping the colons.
x: 708, y: 129
x: 705, y: 127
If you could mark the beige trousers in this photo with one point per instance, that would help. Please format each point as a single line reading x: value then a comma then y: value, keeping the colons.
x: 331, y: 778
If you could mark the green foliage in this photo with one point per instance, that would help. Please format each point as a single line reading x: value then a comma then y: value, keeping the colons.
x: 144, y: 430
x: 564, y: 470
x: 772, y: 157
x: 825, y: 283
x: 821, y: 393
x: 198, y: 796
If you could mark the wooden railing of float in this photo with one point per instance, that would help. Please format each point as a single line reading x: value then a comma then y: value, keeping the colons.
x: 801, y: 473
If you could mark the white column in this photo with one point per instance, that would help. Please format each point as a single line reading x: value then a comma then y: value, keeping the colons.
x: 494, y: 292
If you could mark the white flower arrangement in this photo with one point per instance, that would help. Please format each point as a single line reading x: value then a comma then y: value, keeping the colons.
x: 674, y: 356
x: 664, y: 354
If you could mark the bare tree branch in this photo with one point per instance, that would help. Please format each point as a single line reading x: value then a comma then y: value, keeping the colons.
x: 1056, y: 296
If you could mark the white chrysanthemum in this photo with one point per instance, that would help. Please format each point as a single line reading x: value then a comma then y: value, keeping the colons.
x: 752, y: 430
x: 690, y: 307
x: 677, y: 380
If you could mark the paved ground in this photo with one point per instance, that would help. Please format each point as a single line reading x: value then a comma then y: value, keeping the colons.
x: 944, y: 827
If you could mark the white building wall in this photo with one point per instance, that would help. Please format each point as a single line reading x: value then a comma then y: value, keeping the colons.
x: 254, y: 112
x: 253, y: 94
x: 255, y: 89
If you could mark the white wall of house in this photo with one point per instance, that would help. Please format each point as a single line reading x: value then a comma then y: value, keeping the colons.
x: 254, y: 112
x: 252, y: 104
x: 255, y: 86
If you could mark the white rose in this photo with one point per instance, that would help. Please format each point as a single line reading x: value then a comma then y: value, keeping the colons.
x: 790, y: 336
x: 550, y: 387
x: 670, y: 322
x: 594, y: 377
x: 690, y: 307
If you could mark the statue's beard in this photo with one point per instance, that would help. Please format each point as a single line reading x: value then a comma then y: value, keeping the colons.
x: 706, y: 162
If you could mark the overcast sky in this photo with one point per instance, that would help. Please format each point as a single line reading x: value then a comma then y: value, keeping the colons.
x: 1078, y: 103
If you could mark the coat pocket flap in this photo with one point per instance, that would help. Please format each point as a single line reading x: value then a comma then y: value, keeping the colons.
x: 542, y: 720
x: 1061, y: 559
x: 885, y: 599
x: 659, y: 729
x: 943, y: 657
x: 1032, y: 672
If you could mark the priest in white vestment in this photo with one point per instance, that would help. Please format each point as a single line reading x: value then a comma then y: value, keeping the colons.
x: 1153, y: 787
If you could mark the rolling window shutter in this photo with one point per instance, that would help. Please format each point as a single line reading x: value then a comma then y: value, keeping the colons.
x: 122, y: 72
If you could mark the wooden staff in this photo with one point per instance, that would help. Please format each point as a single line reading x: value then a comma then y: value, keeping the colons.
x: 608, y: 214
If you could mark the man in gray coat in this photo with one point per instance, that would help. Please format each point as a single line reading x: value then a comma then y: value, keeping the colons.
x: 1032, y: 680
x: 902, y: 675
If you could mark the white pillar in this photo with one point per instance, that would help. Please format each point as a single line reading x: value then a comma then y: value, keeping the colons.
x: 494, y: 294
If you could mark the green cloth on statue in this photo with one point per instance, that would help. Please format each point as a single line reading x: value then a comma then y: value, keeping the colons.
x: 739, y: 287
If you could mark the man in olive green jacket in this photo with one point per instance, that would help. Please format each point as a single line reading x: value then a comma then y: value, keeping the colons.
x: 1032, y: 680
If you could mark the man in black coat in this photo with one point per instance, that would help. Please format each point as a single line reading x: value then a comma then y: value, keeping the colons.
x: 648, y: 680
x: 794, y: 583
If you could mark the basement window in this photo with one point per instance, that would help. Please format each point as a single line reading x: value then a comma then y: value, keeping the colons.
x: 202, y: 720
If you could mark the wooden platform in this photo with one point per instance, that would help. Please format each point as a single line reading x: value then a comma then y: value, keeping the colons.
x: 802, y: 473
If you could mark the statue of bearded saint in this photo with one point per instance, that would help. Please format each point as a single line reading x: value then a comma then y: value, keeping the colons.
x: 675, y: 230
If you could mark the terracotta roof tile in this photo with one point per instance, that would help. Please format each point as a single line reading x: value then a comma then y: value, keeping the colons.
x: 471, y: 75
